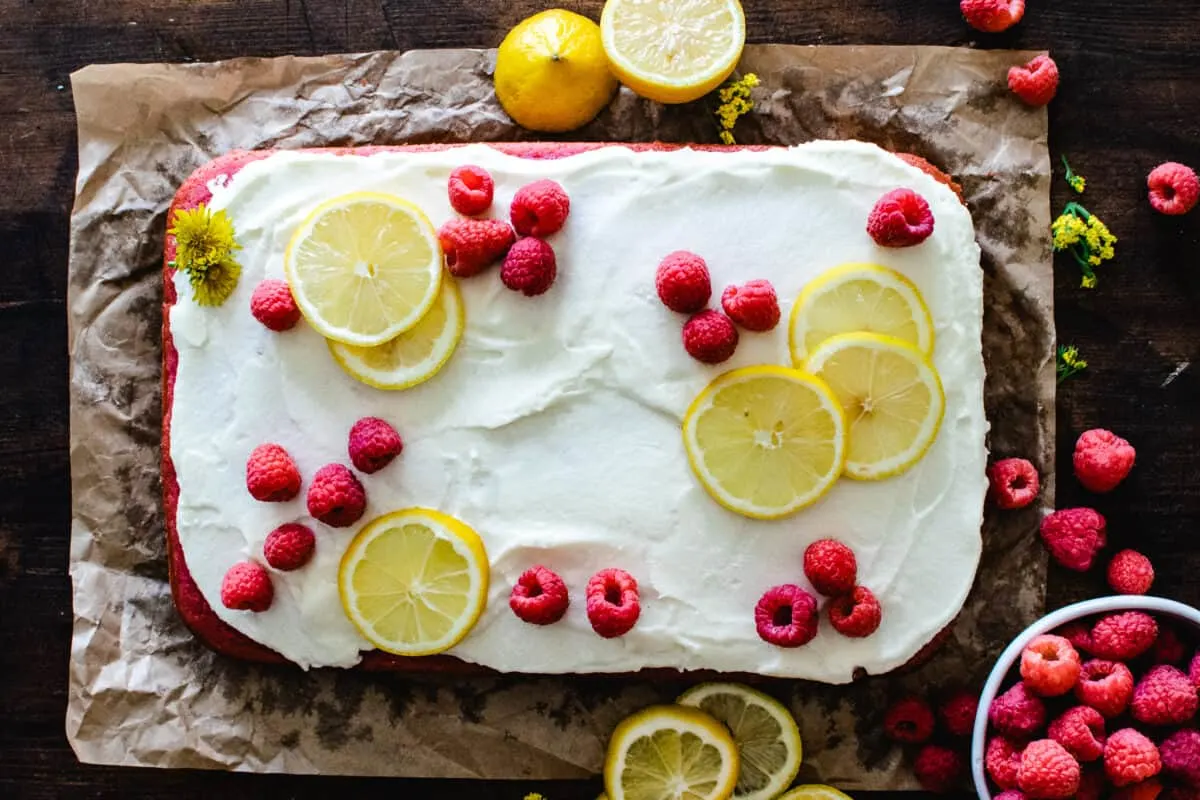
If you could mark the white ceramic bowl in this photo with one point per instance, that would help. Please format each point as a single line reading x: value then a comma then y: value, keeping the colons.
x: 1101, y: 605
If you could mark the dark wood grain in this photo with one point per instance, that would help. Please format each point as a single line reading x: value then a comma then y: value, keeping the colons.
x: 1130, y: 99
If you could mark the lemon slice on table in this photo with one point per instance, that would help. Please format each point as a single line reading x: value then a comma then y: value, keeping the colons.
x: 673, y: 51
x: 670, y: 753
x: 414, y: 356
x: 764, y: 731
x: 859, y: 297
x: 815, y: 791
x: 364, y: 267
x: 414, y: 581
x: 766, y: 441
x: 892, y: 397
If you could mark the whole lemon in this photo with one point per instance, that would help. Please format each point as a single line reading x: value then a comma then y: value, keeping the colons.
x: 551, y: 72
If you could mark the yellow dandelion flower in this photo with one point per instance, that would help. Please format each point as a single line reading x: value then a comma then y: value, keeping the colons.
x: 213, y: 286
x: 204, y: 247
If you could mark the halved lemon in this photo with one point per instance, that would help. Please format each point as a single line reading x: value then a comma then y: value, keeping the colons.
x: 892, y: 397
x: 766, y: 441
x: 764, y: 731
x: 414, y: 581
x: 414, y: 356
x: 673, y: 51
x: 815, y: 791
x: 859, y: 297
x: 670, y: 753
x: 364, y: 267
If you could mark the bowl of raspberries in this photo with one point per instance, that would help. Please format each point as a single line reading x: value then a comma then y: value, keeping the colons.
x: 1095, y: 700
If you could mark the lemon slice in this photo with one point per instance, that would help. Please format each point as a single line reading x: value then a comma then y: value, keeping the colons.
x: 364, y: 268
x: 670, y: 753
x: 765, y: 441
x: 815, y: 791
x: 673, y: 51
x: 414, y: 581
x: 414, y: 356
x: 859, y: 297
x: 892, y: 397
x: 765, y: 732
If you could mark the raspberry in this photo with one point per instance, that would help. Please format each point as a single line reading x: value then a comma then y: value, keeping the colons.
x: 1168, y: 647
x: 1124, y: 636
x: 1130, y: 757
x: 1050, y: 665
x: 1106, y: 686
x: 710, y: 337
x: 1130, y: 572
x: 682, y: 282
x: 539, y: 208
x: 786, y: 616
x: 539, y: 596
x: 1081, y: 731
x: 1079, y: 634
x: 471, y: 245
x: 271, y: 474
x: 1018, y: 713
x: 373, y: 444
x: 1074, y: 536
x: 1174, y: 188
x: 1036, y: 82
x: 272, y: 304
x: 1010, y: 794
x: 1144, y: 790
x: 1048, y: 770
x: 530, y: 267
x: 1002, y: 760
x: 289, y: 546
x: 830, y: 567
x: 336, y: 497
x: 1164, y: 696
x: 612, y: 602
x: 938, y: 769
x: 901, y: 218
x: 908, y: 721
x: 1194, y: 671
x: 753, y: 305
x: 1014, y: 483
x: 1102, y: 460
x: 957, y: 712
x: 470, y: 189
x: 1181, y: 756
x: 247, y: 587
x: 992, y: 16
x: 855, y: 614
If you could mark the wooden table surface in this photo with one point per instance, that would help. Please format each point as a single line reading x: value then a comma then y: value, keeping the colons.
x: 1130, y: 99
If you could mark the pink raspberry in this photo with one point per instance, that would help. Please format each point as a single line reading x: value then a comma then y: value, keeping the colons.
x: 1181, y: 756
x: 1048, y: 770
x: 1130, y: 572
x: 540, y: 209
x: 1129, y: 757
x: 373, y: 444
x: 1074, y: 536
x: 938, y: 769
x: 710, y: 337
x: 1174, y: 188
x: 530, y: 267
x: 753, y: 305
x: 289, y: 546
x: 1123, y: 636
x: 1003, y: 761
x: 471, y: 245
x: 908, y: 721
x: 1018, y: 713
x: 901, y: 218
x: 1194, y: 671
x: 272, y: 304
x: 335, y: 496
x: 830, y: 567
x: 1168, y: 647
x: 1164, y: 696
x: 856, y: 614
x: 470, y: 189
x: 1050, y: 665
x: 539, y: 596
x: 1102, y: 460
x: 1106, y: 686
x: 1014, y: 483
x: 247, y: 587
x: 786, y: 616
x: 613, y: 607
x: 271, y: 474
x: 992, y: 16
x: 1079, y: 634
x: 1035, y: 83
x: 1011, y: 794
x: 1081, y: 731
x: 957, y: 712
x: 682, y: 282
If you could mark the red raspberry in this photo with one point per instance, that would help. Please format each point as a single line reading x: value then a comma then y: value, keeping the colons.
x: 1081, y: 731
x: 856, y: 614
x: 471, y: 245
x: 1092, y: 784
x: 1050, y: 665
x: 710, y: 337
x: 247, y: 587
x: 1079, y: 634
x: 1102, y: 460
x: 1124, y: 636
x: 373, y: 444
x: 1011, y: 794
x: 938, y: 769
x: 1181, y: 756
x: 470, y: 189
x: 612, y: 602
x: 1168, y: 647
x: 992, y: 16
x: 682, y: 282
x: 271, y: 474
x: 908, y: 721
x: 539, y: 208
x: 1002, y: 760
x: 753, y: 305
x: 830, y: 567
x: 1014, y: 483
x: 1036, y: 82
x: 786, y: 616
x: 1106, y: 686
x: 957, y: 712
x: 1148, y: 789
x: 1018, y: 713
x: 1048, y: 770
x: 335, y: 496
x: 539, y: 596
x: 1074, y: 536
x: 1130, y: 757
x: 530, y: 267
x: 289, y: 546
x: 1174, y: 188
x: 1130, y: 572
x: 1164, y: 696
x: 272, y: 304
x: 1194, y: 671
x: 901, y: 218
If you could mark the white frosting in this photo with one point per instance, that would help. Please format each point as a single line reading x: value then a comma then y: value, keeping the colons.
x: 554, y: 431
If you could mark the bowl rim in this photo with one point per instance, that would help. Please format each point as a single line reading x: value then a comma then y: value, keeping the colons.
x: 1000, y: 670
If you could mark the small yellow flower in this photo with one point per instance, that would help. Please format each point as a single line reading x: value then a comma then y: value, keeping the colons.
x: 1076, y: 182
x: 534, y: 796
x: 204, y: 247
x: 1086, y: 237
x: 1068, y: 362
x: 213, y: 286
x: 735, y: 103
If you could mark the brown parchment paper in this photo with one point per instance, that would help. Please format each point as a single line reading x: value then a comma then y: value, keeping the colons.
x: 144, y: 692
